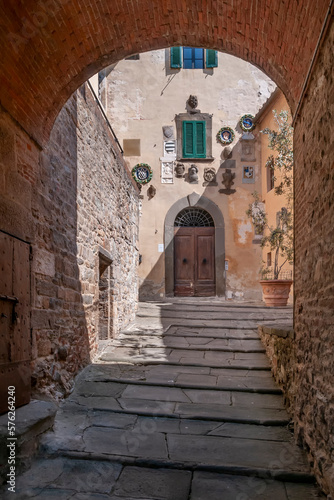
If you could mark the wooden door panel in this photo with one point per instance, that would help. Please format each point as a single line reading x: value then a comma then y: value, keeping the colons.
x: 194, y: 261
x: 205, y: 262
x: 184, y: 262
x: 15, y: 338
x: 205, y: 258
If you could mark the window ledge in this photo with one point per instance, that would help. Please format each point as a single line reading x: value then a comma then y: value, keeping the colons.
x: 208, y: 158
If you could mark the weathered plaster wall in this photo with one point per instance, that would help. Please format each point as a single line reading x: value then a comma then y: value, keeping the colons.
x: 273, y: 202
x: 314, y: 267
x: 144, y: 95
x: 68, y: 201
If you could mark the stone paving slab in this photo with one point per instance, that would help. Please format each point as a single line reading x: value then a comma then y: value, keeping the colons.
x: 160, y: 484
x: 238, y: 454
x: 227, y: 487
x: 102, y: 440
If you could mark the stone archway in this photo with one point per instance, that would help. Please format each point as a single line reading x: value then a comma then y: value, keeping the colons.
x: 52, y: 47
x: 195, y: 200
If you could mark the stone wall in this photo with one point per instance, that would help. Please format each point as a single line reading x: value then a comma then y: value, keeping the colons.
x: 279, y: 343
x: 314, y: 267
x: 76, y: 203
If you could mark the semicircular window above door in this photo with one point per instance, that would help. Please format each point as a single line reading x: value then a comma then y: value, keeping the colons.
x: 193, y: 217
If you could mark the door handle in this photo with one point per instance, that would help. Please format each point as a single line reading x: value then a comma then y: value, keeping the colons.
x: 184, y: 261
x: 204, y: 261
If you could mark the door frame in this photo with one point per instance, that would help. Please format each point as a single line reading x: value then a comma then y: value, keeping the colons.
x: 194, y: 200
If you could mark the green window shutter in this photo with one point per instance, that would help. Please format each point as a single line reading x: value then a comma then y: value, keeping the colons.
x: 200, y: 140
x: 194, y: 139
x: 211, y: 58
x: 175, y: 57
x: 188, y: 141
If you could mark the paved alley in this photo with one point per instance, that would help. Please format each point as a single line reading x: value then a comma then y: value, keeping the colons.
x: 181, y: 406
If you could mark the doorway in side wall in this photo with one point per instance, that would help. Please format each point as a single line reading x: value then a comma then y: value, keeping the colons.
x: 105, y: 309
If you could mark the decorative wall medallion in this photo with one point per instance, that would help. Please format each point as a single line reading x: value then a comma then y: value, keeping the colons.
x: 193, y: 174
x: 167, y: 172
x: 142, y: 173
x: 209, y: 177
x: 179, y: 170
x: 247, y: 123
x: 248, y: 175
x: 228, y: 182
x: 225, y: 135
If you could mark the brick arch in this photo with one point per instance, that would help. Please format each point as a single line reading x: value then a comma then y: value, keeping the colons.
x: 54, y: 46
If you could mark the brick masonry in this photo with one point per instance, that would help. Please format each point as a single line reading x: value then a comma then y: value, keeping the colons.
x: 70, y: 201
x: 302, y: 360
x: 64, y: 43
x: 314, y: 268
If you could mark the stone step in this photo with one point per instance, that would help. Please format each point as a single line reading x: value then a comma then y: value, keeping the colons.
x: 60, y: 477
x: 242, y: 360
x: 187, y: 342
x: 181, y: 376
x: 249, y: 457
x: 172, y: 409
x: 158, y: 322
x: 170, y: 442
x: 193, y: 331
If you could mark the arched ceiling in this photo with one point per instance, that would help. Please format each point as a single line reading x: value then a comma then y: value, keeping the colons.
x: 50, y: 47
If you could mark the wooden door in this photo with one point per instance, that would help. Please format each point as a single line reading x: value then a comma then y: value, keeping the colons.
x: 15, y: 342
x: 194, y: 261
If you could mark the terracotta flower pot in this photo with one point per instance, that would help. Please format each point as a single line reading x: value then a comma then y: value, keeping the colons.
x: 276, y: 292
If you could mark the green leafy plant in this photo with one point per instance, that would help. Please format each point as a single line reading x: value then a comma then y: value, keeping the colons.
x: 278, y: 238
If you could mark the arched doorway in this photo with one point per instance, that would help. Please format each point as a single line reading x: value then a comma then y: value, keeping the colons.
x: 198, y: 225
x: 194, y: 253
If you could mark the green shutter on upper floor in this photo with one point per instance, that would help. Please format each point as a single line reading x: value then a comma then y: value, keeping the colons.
x: 211, y: 58
x: 188, y: 139
x: 200, y: 139
x: 175, y: 57
x: 193, y: 139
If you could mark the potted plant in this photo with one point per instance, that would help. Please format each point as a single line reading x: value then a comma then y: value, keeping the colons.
x: 276, y: 282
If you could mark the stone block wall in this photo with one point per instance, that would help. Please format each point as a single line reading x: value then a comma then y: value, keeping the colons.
x: 279, y: 344
x: 74, y: 202
x: 303, y: 362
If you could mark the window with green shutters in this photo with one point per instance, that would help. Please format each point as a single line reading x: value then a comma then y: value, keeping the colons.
x: 211, y: 58
x: 192, y: 58
x: 194, y: 139
x: 175, y: 57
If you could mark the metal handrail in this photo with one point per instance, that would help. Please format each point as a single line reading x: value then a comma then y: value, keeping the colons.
x: 105, y: 116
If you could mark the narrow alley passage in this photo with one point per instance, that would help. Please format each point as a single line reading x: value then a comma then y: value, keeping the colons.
x: 181, y: 406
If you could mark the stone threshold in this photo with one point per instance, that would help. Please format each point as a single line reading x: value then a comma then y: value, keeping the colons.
x: 31, y: 421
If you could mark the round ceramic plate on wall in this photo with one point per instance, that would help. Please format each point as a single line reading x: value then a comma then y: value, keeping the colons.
x: 225, y: 135
x: 247, y: 123
x: 142, y: 173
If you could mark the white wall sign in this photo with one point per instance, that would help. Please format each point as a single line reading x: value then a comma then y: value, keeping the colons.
x: 160, y: 247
